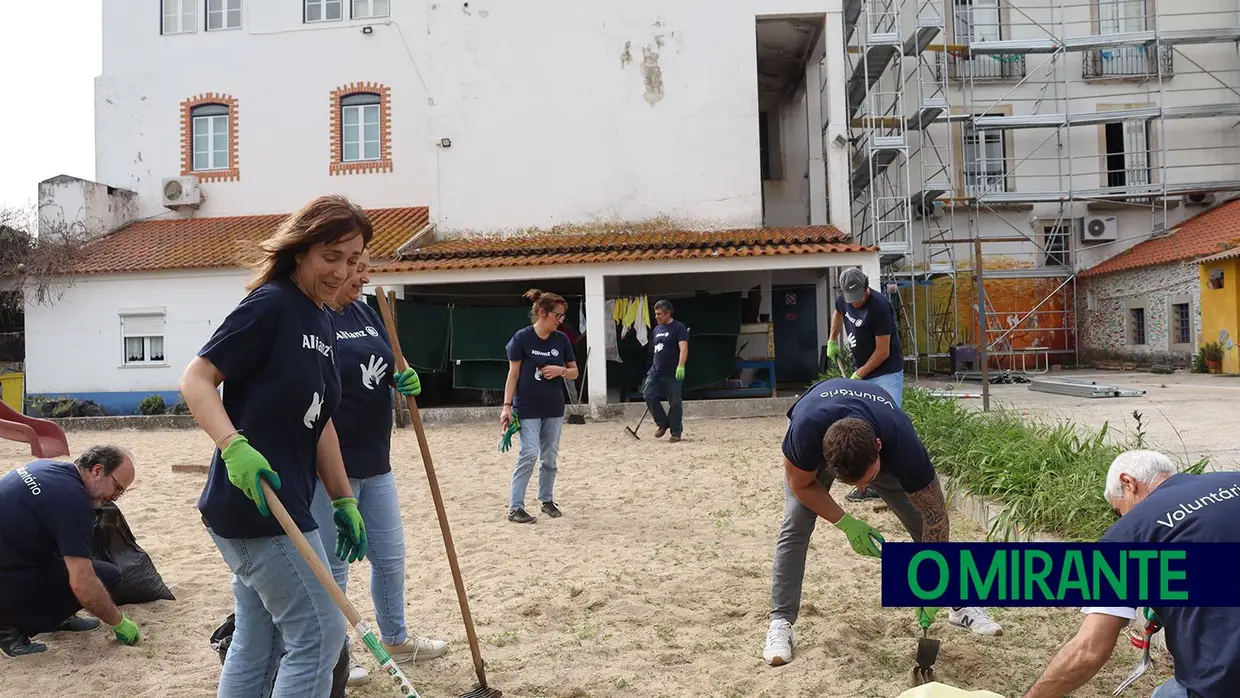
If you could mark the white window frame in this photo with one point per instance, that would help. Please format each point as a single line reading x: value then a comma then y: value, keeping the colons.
x: 985, y: 172
x: 366, y: 109
x: 370, y: 12
x: 226, y: 12
x: 322, y: 7
x: 148, y: 325
x: 179, y: 17
x: 210, y: 126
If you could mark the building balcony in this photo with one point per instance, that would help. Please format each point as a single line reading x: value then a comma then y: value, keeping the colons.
x: 1128, y: 62
x: 984, y: 68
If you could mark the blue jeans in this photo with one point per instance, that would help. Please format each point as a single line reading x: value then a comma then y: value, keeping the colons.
x: 657, y: 387
x: 893, y: 383
x: 379, y: 505
x: 281, y: 609
x: 1171, y: 689
x: 540, y: 441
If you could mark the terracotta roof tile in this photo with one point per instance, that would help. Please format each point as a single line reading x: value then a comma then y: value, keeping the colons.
x: 595, y: 248
x: 211, y: 243
x: 1204, y: 234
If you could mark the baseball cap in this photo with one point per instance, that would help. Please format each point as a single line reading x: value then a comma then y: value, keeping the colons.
x: 854, y: 283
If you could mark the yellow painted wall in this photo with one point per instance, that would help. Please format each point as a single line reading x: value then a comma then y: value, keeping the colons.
x: 1220, y: 309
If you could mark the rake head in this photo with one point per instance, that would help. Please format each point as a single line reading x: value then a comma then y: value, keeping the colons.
x: 482, y: 692
x: 927, y: 654
x: 632, y: 433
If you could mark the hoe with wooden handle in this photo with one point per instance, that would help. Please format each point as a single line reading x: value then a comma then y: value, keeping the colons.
x: 329, y: 583
x: 482, y: 690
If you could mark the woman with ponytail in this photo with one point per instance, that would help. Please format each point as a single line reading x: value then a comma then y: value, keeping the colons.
x: 540, y: 357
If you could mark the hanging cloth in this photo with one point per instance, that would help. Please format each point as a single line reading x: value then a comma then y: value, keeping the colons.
x: 641, y: 321
x: 609, y: 335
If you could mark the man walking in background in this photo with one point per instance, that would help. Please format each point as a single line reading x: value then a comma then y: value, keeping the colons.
x: 869, y: 329
x: 667, y: 371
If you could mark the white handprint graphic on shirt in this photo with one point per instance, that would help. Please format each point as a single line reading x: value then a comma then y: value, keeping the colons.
x: 373, y: 375
x: 312, y: 412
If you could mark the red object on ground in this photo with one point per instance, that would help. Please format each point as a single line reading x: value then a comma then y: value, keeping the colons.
x: 46, y: 438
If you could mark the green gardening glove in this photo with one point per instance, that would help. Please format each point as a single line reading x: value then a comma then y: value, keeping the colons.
x: 680, y: 373
x: 926, y: 614
x: 245, y: 466
x: 350, y: 530
x: 127, y: 631
x: 833, y: 349
x: 505, y: 439
x: 407, y: 382
x: 856, y: 375
x: 861, y: 536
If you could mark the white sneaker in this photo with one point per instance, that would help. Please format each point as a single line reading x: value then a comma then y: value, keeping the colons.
x: 416, y: 649
x: 778, y: 643
x: 357, y: 675
x: 976, y: 620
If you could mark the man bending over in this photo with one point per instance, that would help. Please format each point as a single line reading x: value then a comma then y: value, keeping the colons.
x: 852, y: 431
x: 1142, y: 487
x: 47, y: 519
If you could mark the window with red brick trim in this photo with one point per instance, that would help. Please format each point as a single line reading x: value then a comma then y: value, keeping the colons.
x: 209, y: 138
x: 361, y: 123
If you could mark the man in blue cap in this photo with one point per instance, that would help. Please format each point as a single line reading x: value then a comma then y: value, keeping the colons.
x: 869, y: 329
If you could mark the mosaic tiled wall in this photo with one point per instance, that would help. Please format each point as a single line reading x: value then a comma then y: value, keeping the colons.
x: 1104, y: 327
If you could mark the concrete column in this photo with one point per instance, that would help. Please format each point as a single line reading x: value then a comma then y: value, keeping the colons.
x: 814, y: 122
x: 871, y: 269
x: 596, y: 343
x: 823, y: 297
x: 838, y: 166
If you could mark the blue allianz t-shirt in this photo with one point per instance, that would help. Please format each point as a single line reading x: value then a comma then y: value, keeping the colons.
x: 666, y: 340
x: 902, y: 454
x: 538, y: 397
x: 1205, y: 642
x: 364, y: 419
x: 861, y: 325
x: 45, y: 515
x: 276, y: 350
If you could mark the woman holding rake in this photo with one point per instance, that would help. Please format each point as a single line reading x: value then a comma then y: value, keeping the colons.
x: 365, y: 358
x: 273, y: 354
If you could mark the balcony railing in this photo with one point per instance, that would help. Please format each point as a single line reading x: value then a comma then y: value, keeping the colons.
x: 1145, y: 62
x: 1006, y: 67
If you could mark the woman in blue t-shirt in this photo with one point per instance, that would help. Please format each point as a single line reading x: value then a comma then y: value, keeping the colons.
x: 274, y: 354
x: 366, y: 359
x: 540, y: 357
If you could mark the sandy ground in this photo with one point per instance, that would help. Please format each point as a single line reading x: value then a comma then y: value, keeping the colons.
x: 655, y: 582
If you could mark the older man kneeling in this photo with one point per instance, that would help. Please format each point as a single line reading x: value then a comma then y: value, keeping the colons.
x: 47, y: 518
x: 1205, y: 642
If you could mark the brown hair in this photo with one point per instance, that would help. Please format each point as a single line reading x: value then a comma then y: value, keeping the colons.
x: 542, y: 301
x: 849, y: 449
x: 325, y: 219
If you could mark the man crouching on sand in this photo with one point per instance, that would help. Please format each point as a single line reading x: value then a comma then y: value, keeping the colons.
x: 852, y: 431
x: 47, y: 519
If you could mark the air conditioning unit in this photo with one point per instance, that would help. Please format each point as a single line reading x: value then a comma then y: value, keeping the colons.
x: 1100, y: 229
x: 1200, y: 198
x: 182, y: 191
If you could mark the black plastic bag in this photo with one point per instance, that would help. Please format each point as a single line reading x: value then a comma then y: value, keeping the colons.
x: 113, y: 542
x: 221, y: 640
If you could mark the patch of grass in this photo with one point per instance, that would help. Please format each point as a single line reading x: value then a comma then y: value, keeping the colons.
x: 1048, y: 475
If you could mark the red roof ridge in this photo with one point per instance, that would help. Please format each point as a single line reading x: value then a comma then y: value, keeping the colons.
x: 1199, y: 235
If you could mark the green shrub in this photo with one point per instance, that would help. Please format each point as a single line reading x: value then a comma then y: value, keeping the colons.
x: 152, y: 405
x: 1048, y: 476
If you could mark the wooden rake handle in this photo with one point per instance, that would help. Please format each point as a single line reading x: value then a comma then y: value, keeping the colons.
x: 329, y: 583
x: 401, y: 364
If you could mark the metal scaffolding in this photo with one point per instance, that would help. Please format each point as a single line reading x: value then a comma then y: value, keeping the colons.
x: 966, y: 115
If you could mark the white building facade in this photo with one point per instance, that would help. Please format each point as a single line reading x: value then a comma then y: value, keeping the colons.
x: 218, y: 115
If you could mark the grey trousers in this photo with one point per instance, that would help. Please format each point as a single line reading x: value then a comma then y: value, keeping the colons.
x: 791, y: 549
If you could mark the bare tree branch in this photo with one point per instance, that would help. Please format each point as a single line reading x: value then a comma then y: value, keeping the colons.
x: 37, y: 265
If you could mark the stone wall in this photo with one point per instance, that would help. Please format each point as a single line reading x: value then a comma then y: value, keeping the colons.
x: 1104, y: 302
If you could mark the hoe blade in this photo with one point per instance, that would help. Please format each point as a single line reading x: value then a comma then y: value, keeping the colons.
x: 927, y: 655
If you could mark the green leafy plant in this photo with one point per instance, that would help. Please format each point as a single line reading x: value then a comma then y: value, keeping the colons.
x: 1048, y: 476
x: 152, y: 405
x: 1211, y: 351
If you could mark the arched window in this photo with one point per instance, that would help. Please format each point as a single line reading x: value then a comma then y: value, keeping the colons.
x: 210, y: 126
x: 360, y: 123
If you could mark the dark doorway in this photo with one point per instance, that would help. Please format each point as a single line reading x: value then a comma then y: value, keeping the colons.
x: 794, y: 310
